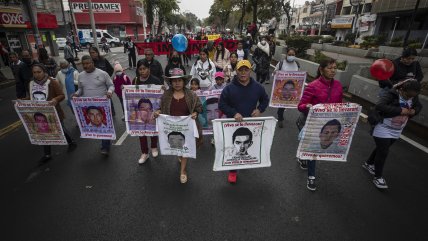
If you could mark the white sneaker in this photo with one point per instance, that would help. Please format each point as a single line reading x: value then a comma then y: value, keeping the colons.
x: 380, y: 183
x: 143, y: 158
x: 155, y: 152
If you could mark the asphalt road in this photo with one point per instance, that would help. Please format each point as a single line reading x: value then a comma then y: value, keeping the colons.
x: 81, y: 195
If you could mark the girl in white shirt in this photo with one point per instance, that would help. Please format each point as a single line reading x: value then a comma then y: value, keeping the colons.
x: 204, y: 69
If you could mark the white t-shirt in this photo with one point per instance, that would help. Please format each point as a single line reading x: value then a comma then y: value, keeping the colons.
x: 392, y: 127
x: 203, y: 72
x: 240, y: 54
x: 287, y: 66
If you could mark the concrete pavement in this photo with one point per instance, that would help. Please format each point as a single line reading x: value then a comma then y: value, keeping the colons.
x: 81, y: 195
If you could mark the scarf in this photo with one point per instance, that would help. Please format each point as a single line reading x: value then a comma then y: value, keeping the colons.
x: 69, y: 84
x: 264, y: 48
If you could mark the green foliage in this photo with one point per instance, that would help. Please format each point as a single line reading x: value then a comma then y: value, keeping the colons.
x: 415, y: 45
x: 340, y: 43
x: 396, y: 44
x: 373, y: 41
x: 350, y: 37
x: 319, y: 57
x: 301, y: 43
x: 328, y: 39
x: 165, y: 8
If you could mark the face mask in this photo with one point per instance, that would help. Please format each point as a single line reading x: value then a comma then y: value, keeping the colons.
x: 263, y: 42
x: 175, y: 59
x: 118, y: 73
x: 64, y: 71
x: 291, y: 58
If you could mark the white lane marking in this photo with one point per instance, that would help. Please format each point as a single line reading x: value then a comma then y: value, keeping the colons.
x: 121, y: 139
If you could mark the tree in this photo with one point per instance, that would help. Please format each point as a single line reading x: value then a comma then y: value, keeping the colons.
x: 164, y: 8
x: 220, y: 12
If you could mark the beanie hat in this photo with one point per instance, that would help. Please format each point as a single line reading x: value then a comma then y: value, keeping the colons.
x: 118, y: 67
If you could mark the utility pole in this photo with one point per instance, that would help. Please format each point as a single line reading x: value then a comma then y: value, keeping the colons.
x: 94, y: 30
x: 406, y: 38
x: 76, y: 40
x: 322, y: 18
x: 33, y: 20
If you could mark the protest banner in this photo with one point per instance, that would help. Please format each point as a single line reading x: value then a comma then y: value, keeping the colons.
x: 139, y: 103
x: 193, y: 46
x: 328, y: 132
x: 94, y: 117
x: 213, y: 36
x: 177, y: 135
x: 243, y: 145
x: 287, y: 89
x: 210, y: 110
x: 41, y: 122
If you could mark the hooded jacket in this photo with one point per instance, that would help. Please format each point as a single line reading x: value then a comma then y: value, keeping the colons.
x: 388, y: 105
x: 237, y: 98
x: 321, y: 91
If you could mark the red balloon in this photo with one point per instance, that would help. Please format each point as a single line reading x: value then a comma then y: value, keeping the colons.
x: 382, y: 69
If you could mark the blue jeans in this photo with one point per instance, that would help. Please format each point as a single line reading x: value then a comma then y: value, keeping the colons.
x: 311, y: 168
x: 105, y: 145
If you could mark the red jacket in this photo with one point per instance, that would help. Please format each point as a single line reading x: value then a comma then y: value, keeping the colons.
x: 317, y: 92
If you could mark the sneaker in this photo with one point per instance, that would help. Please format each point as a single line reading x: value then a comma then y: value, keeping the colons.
x: 143, y: 158
x: 104, y: 152
x: 232, y: 177
x: 280, y: 124
x: 369, y: 168
x: 311, y: 184
x: 155, y: 152
x: 380, y: 183
x: 303, y: 164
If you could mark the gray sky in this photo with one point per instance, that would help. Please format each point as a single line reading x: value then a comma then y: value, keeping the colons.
x: 200, y: 8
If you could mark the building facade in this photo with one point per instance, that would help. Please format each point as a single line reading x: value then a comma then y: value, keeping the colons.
x: 15, y: 28
x: 120, y: 18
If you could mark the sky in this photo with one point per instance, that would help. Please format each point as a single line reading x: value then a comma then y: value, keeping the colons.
x: 201, y: 8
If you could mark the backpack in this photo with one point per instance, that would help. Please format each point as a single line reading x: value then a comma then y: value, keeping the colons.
x: 373, y: 116
x: 282, y: 62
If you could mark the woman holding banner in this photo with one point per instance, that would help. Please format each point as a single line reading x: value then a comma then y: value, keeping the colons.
x: 180, y: 101
x: 204, y: 70
x: 324, y: 89
x: 287, y: 64
x: 143, y: 77
x: 44, y: 88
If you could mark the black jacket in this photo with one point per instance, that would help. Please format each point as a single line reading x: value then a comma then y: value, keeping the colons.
x: 25, y: 74
x: 388, y: 105
x: 156, y: 69
x: 401, y: 72
x: 173, y: 66
x: 103, y: 64
x: 152, y: 80
x: 262, y: 61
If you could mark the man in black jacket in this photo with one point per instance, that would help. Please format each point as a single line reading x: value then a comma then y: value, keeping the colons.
x: 25, y: 75
x: 155, y: 67
x: 130, y: 48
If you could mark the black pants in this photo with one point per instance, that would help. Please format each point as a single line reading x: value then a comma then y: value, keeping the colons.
x: 261, y: 78
x: 132, y: 59
x: 47, y: 149
x: 280, y: 114
x: 379, y: 154
x: 71, y: 61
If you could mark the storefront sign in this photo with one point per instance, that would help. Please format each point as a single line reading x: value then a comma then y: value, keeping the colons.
x: 368, y: 18
x: 97, y: 7
x: 12, y: 20
x: 342, y: 22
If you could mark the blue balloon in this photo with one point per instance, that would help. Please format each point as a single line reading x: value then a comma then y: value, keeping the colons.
x: 179, y: 42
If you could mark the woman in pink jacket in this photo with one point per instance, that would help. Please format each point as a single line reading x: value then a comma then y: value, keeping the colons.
x: 324, y: 89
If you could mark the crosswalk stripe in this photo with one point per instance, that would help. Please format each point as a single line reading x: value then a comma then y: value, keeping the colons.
x: 121, y: 139
x: 10, y: 128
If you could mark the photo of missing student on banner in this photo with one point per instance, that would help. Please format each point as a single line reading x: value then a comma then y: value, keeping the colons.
x: 140, y: 102
x: 287, y: 89
x: 41, y: 122
x: 328, y: 132
x: 177, y: 135
x: 94, y: 117
x: 209, y: 100
x: 243, y: 145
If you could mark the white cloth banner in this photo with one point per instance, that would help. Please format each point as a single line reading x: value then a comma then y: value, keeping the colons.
x: 243, y: 145
x: 328, y: 132
x: 287, y: 89
x: 139, y: 103
x: 177, y: 135
x: 94, y: 117
x: 41, y: 122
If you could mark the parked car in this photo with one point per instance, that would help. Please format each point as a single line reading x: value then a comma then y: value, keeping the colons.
x: 61, y: 42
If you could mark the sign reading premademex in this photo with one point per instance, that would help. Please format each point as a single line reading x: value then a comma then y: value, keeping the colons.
x: 83, y: 7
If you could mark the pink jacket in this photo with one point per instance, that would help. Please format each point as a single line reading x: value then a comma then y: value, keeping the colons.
x: 317, y: 92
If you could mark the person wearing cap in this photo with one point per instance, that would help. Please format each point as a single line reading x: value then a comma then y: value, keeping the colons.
x: 219, y: 81
x: 180, y: 101
x: 243, y: 97
x: 144, y: 77
x: 204, y: 70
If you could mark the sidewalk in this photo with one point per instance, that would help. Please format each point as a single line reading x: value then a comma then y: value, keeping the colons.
x: 342, y: 57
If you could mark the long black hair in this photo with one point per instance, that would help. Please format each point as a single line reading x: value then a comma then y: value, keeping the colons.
x: 218, y: 52
x: 140, y: 62
x: 324, y: 63
x: 234, y: 65
x: 205, y: 50
x: 93, y: 48
x: 43, y: 55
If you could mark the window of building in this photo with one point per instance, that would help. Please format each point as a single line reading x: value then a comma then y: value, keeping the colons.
x: 346, y: 10
x: 360, y: 9
x: 305, y: 10
x: 40, y: 4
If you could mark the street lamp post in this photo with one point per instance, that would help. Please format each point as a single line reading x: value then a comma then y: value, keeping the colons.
x: 322, y: 17
x: 393, y: 31
x: 356, y: 3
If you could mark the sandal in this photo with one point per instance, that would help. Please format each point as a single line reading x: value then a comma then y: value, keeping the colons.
x: 183, y: 178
